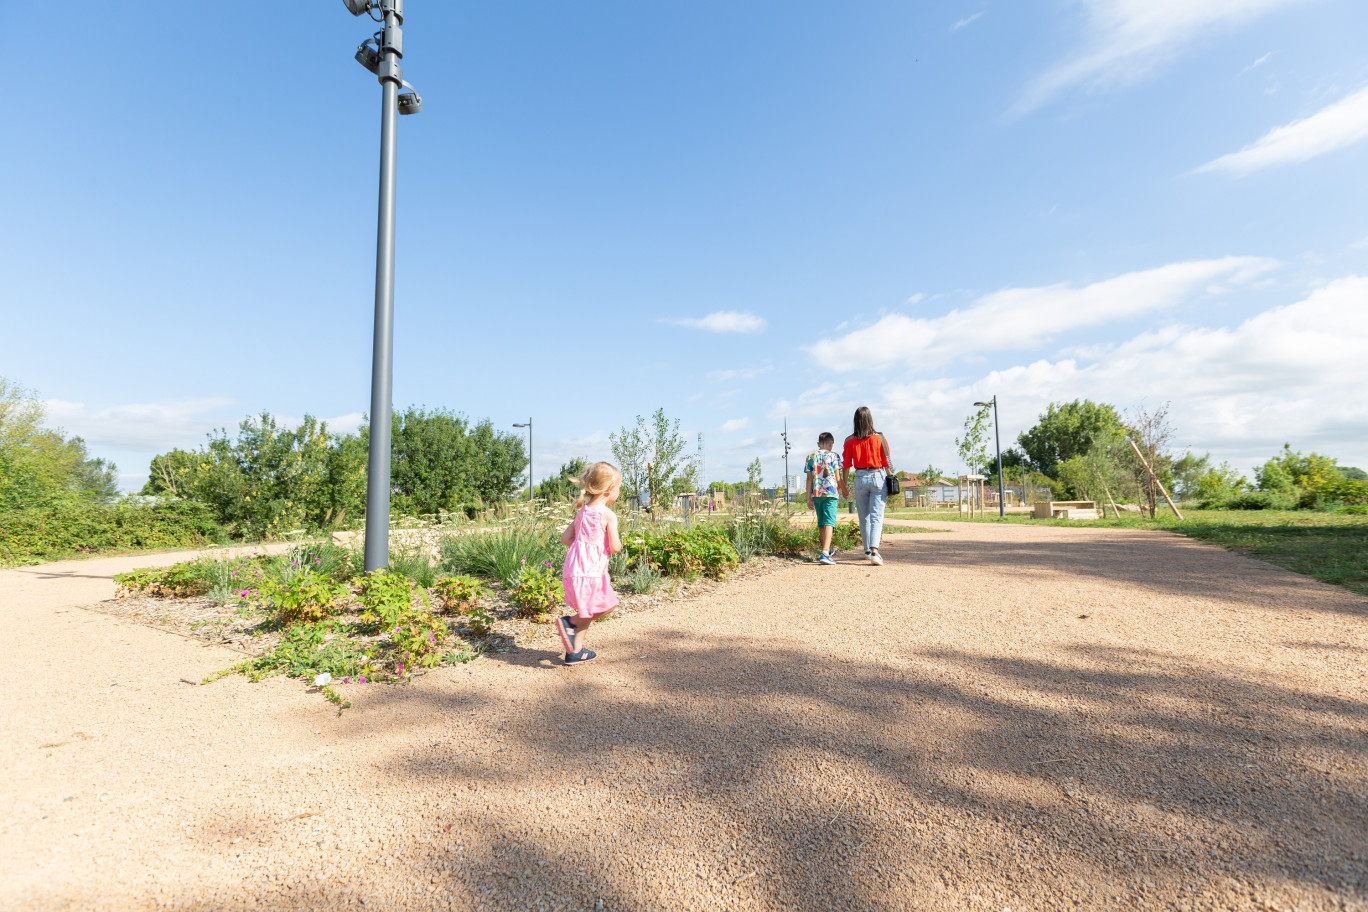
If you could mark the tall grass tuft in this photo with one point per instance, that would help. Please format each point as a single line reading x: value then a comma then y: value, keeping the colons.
x: 502, y: 552
x: 414, y: 564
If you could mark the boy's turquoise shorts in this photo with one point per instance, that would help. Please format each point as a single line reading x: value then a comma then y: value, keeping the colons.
x: 826, y: 510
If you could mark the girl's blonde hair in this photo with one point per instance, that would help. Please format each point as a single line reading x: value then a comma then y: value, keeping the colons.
x: 599, y: 478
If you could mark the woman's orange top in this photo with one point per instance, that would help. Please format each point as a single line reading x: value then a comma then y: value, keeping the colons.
x: 864, y: 454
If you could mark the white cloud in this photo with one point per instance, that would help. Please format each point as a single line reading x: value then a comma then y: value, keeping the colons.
x: 966, y: 20
x: 1129, y: 39
x: 734, y: 424
x: 158, y: 426
x: 1024, y: 318
x: 1292, y: 373
x: 1341, y: 124
x: 1258, y: 63
x: 723, y: 321
x: 917, y: 298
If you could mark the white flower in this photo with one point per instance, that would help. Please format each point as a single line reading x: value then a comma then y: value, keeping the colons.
x: 322, y: 679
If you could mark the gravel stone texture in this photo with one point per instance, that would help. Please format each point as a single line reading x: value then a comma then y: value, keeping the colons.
x: 999, y: 718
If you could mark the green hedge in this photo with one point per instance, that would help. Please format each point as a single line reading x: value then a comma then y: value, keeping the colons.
x: 61, y: 530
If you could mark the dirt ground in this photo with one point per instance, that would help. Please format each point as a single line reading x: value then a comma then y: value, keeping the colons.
x: 999, y: 718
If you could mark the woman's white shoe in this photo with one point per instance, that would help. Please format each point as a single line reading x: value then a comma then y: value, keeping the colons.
x: 876, y: 558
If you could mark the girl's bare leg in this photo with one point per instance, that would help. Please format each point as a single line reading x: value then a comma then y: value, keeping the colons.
x: 582, y: 627
x: 825, y: 533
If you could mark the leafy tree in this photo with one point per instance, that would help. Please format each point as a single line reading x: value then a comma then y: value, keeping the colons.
x: 755, y: 474
x: 931, y: 474
x: 40, y: 466
x: 652, y: 458
x: 1306, y: 473
x: 1152, y: 433
x: 1101, y: 473
x: 1273, y: 477
x: 1188, y: 470
x: 171, y: 473
x: 973, y: 446
x: 1352, y: 473
x: 1217, y: 486
x: 561, y: 486
x: 1065, y: 430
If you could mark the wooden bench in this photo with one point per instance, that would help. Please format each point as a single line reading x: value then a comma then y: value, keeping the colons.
x: 1062, y: 509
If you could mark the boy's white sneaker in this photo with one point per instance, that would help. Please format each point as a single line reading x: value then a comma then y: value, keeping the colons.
x: 876, y: 558
x: 827, y: 559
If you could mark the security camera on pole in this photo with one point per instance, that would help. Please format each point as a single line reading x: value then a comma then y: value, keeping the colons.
x: 383, y: 61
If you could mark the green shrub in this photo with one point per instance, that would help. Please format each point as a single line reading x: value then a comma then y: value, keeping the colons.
x: 1337, y: 492
x: 479, y: 619
x: 644, y: 578
x: 304, y: 597
x: 502, y: 552
x: 181, y: 580
x: 386, y: 597
x: 537, y: 591
x: 387, y: 603
x: 805, y: 541
x: 418, y: 637
x: 460, y: 593
x: 307, y: 650
x: 82, y: 527
x: 335, y: 561
x: 702, y: 550
x: 1260, y: 500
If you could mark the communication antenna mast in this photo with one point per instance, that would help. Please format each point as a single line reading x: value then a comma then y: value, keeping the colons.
x: 702, y: 464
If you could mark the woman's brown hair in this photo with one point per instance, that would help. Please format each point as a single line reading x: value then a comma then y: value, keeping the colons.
x: 864, y: 422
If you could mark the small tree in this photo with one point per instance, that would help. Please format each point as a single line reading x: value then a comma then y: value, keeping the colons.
x: 973, y: 446
x: 1152, y: 434
x: 931, y: 474
x: 652, y: 458
x: 562, y: 485
x: 755, y: 474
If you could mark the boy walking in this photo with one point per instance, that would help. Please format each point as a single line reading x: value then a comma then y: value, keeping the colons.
x: 825, y: 481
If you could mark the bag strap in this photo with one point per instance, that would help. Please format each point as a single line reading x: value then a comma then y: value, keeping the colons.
x: 888, y: 463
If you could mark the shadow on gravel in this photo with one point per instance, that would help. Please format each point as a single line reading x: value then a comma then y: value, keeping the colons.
x: 711, y: 771
x: 1164, y: 563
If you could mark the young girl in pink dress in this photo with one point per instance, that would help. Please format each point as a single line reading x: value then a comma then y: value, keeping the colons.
x: 591, y: 538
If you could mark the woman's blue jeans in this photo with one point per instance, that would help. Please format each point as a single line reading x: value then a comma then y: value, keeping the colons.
x: 869, y: 504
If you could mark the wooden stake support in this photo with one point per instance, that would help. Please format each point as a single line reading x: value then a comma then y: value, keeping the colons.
x: 1155, y: 478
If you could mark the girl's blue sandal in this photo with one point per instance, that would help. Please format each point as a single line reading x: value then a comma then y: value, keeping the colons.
x: 579, y: 658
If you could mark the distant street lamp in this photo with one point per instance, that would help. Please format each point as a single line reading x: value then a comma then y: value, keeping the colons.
x: 528, y: 425
x: 997, y: 432
x: 383, y: 61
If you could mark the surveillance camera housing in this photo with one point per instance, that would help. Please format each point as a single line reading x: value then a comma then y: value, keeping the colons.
x: 358, y: 7
x: 410, y: 103
x: 369, y: 58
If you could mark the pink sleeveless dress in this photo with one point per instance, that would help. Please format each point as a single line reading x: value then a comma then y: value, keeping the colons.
x: 588, y: 591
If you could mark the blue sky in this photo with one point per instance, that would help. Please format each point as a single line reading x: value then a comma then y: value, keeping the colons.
x: 737, y: 212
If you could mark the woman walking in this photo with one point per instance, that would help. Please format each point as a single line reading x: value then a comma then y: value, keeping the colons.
x: 866, y: 453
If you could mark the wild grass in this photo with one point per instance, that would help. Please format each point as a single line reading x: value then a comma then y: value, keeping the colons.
x: 502, y: 552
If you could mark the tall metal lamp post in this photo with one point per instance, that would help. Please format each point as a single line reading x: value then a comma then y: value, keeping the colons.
x: 997, y: 433
x: 528, y: 425
x: 787, y: 447
x: 380, y: 54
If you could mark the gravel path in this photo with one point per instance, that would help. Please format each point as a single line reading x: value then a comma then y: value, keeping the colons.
x: 1002, y: 717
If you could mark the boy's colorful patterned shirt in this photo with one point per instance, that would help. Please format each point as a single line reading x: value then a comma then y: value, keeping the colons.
x: 825, y: 467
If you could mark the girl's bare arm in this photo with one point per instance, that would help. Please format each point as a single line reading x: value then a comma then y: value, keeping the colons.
x: 614, y: 542
x: 568, y: 536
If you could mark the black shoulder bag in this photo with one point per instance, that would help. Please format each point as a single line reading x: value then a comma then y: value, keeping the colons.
x: 891, y: 483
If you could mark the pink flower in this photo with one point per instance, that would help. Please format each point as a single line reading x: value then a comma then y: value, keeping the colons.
x: 362, y: 679
x: 347, y: 680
